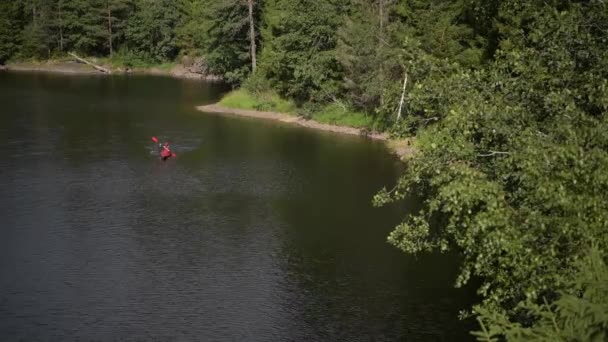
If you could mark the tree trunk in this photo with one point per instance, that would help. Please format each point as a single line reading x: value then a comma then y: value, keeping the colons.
x: 252, y: 35
x: 402, y: 97
x: 82, y: 60
x: 381, y: 6
x: 109, y: 28
x: 60, y: 27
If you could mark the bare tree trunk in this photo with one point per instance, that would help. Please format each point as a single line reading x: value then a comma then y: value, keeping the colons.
x: 381, y: 8
x: 109, y: 27
x: 402, y: 97
x: 60, y: 27
x: 82, y: 60
x: 252, y: 35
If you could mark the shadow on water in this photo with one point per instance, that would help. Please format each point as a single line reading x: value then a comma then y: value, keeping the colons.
x: 257, y: 231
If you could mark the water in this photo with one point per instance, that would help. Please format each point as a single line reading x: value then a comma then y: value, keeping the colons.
x: 258, y: 231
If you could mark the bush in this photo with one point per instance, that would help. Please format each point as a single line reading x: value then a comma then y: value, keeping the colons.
x: 338, y: 114
x: 256, y: 84
x: 126, y: 58
x: 582, y: 316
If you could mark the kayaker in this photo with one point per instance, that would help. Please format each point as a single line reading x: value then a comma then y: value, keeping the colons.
x: 165, y: 152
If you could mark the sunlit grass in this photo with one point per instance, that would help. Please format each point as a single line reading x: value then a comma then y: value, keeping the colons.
x: 335, y: 114
x: 267, y: 101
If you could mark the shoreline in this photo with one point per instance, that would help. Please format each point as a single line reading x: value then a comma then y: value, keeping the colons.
x: 75, y: 68
x: 401, y: 147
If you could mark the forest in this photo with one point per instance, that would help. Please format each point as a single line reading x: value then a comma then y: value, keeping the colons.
x: 506, y: 101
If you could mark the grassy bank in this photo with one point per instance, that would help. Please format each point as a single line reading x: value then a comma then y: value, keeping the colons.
x: 332, y: 114
x: 120, y: 63
x: 242, y: 99
x: 333, y: 117
x: 116, y: 64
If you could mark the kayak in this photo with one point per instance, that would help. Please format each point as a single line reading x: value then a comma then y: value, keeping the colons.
x: 165, y: 154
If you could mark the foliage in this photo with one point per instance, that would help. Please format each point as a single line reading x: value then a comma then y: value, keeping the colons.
x: 227, y: 39
x: 580, y: 317
x: 150, y: 33
x: 266, y: 101
x: 84, y: 25
x: 511, y: 167
x: 339, y: 114
x: 190, y: 32
x: 116, y: 14
x: 10, y: 13
x: 300, y: 38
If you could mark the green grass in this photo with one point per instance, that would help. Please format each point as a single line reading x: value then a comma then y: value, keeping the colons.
x: 166, y: 66
x: 267, y: 101
x: 122, y: 61
x: 335, y: 114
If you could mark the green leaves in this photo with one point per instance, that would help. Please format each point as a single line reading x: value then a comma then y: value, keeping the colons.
x: 511, y: 168
x: 298, y: 57
x: 150, y: 32
x: 579, y: 317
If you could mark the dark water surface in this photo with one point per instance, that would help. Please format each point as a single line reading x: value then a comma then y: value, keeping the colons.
x: 256, y: 232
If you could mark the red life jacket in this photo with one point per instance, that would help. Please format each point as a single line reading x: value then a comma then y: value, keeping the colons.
x: 166, y: 152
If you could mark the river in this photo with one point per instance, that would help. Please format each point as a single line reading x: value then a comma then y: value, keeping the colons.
x: 257, y: 231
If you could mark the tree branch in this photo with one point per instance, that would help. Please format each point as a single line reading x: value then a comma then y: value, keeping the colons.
x: 492, y: 153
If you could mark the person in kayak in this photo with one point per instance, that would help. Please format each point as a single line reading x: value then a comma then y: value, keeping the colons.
x: 165, y: 151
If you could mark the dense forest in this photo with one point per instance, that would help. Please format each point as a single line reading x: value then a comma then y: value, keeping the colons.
x: 507, y: 101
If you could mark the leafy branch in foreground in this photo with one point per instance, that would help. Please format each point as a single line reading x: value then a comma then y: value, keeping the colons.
x: 522, y: 219
x: 580, y: 317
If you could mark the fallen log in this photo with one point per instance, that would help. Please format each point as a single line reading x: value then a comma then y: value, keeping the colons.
x: 82, y: 60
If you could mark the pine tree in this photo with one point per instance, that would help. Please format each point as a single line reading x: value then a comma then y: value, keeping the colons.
x: 115, y: 12
x: 151, y: 30
x: 10, y: 25
x: 36, y: 37
x: 191, y: 33
x: 85, y: 29
x: 229, y: 38
x: 299, y: 47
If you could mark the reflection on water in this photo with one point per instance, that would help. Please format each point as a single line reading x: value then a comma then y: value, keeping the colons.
x: 257, y: 231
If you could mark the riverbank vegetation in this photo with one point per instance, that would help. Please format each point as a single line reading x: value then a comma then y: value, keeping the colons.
x: 507, y: 100
x: 268, y: 101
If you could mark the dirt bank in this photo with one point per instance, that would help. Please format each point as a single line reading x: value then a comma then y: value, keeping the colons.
x: 58, y: 67
x: 402, y: 148
x: 73, y: 67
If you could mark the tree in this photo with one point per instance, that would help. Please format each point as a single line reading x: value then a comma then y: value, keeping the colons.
x: 579, y: 317
x: 85, y: 29
x: 59, y: 23
x: 252, y: 37
x: 299, y: 52
x: 151, y: 30
x: 36, y: 36
x: 10, y: 26
x: 231, y: 38
x: 369, y: 54
x: 511, y: 167
x: 191, y: 32
x: 116, y: 12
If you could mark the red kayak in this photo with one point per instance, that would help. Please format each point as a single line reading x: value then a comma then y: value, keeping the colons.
x: 165, y: 153
x: 165, y: 150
